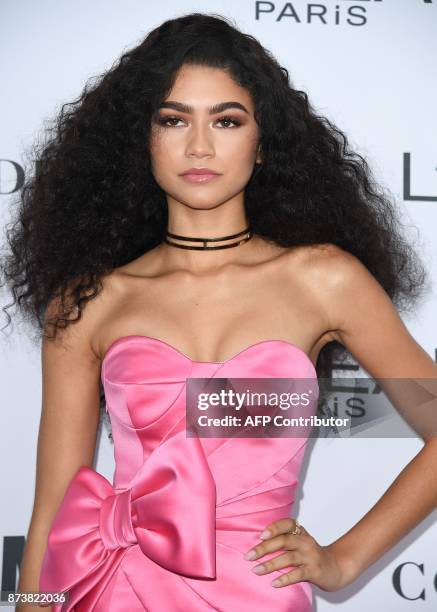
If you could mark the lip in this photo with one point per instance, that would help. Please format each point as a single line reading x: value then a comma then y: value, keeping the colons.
x: 199, y: 171
x: 199, y: 175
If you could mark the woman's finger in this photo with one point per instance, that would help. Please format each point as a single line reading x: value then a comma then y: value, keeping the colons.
x: 281, y: 537
x: 296, y: 575
x: 280, y: 526
x: 285, y: 541
x: 290, y: 557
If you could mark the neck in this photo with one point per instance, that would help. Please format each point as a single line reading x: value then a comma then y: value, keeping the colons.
x: 208, y: 243
x: 205, y: 262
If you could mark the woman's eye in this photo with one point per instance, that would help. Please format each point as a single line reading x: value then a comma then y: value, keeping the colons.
x: 236, y: 122
x: 167, y: 121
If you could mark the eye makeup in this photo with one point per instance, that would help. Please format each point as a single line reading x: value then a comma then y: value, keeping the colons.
x: 163, y: 120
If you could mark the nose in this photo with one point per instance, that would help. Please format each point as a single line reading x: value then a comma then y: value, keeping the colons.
x: 199, y: 141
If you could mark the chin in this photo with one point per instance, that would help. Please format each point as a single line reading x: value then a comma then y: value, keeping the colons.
x: 203, y: 205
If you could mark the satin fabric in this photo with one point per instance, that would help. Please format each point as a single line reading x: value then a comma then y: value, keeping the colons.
x: 171, y: 530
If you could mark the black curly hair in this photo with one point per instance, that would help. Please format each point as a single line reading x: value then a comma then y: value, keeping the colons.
x: 91, y: 203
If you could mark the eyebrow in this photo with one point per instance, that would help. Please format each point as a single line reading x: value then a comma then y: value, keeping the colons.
x: 212, y: 110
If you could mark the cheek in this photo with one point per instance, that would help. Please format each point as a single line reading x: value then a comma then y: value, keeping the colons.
x: 242, y: 156
x: 245, y: 147
x: 160, y: 157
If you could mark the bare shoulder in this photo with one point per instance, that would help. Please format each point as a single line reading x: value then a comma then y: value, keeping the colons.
x: 342, y: 282
x: 364, y: 316
x: 331, y: 276
x: 320, y: 265
x: 327, y: 267
x: 84, y: 323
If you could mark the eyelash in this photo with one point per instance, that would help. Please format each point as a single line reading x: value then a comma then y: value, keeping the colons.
x: 163, y: 120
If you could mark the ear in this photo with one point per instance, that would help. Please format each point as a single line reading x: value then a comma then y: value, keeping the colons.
x: 259, y: 159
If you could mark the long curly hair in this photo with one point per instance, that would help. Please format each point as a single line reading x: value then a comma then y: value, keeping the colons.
x: 90, y: 202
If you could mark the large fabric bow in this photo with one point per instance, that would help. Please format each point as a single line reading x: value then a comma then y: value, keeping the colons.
x: 169, y: 511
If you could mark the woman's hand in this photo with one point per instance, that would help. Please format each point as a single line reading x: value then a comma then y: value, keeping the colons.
x: 324, y: 566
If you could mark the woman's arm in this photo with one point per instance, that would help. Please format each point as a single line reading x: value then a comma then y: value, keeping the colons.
x: 67, y: 434
x: 368, y: 325
x: 370, y: 328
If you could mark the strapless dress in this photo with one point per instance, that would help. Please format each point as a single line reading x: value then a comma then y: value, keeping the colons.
x: 170, y: 532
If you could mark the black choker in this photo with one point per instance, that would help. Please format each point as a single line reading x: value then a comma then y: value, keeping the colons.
x: 205, y: 240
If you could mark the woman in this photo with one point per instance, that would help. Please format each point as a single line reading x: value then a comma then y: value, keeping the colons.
x: 197, y: 136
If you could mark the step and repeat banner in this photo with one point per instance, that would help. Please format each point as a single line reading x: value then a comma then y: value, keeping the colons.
x: 369, y: 66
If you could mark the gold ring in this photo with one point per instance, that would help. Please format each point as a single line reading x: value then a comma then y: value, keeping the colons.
x: 297, y: 529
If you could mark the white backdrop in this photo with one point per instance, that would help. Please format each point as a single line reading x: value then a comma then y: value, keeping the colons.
x: 367, y: 65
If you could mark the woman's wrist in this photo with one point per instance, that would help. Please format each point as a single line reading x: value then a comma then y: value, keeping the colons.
x: 347, y: 562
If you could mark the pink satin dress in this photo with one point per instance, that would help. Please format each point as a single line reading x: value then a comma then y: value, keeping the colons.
x: 170, y: 533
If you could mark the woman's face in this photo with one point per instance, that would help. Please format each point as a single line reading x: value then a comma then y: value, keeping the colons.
x: 188, y: 133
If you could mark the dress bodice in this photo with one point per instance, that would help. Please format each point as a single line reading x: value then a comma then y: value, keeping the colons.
x: 187, y: 505
x: 144, y: 380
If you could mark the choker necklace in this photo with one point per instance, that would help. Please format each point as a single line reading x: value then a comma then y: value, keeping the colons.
x: 205, y: 240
